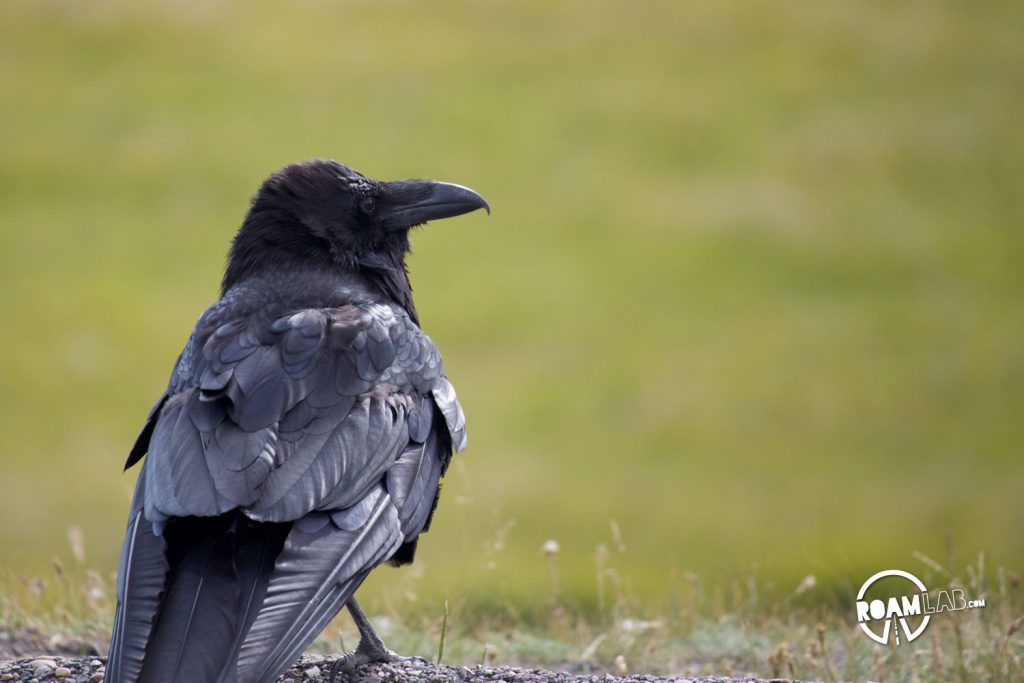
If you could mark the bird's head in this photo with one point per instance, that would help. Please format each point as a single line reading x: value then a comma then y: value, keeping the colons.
x: 322, y: 213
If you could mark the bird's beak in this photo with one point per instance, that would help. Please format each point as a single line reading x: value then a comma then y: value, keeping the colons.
x: 405, y: 203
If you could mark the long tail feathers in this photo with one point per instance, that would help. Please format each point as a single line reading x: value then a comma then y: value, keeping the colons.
x: 228, y: 600
x: 199, y: 613
x: 138, y: 598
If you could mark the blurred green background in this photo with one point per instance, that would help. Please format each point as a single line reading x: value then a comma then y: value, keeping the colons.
x: 749, y: 302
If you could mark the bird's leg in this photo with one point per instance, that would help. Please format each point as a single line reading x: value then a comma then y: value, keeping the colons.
x: 370, y: 644
x: 370, y: 649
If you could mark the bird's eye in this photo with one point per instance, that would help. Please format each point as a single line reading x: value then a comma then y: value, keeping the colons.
x: 367, y: 205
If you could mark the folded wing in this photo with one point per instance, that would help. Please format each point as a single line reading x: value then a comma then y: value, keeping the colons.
x: 293, y: 452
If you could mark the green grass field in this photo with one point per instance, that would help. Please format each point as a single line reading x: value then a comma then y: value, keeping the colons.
x: 749, y: 303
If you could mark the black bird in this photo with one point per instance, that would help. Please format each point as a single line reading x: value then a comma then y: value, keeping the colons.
x: 300, y: 442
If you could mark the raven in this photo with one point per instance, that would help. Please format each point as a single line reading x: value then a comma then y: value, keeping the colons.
x: 300, y: 442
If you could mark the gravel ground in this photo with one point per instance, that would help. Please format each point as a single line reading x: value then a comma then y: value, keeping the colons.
x: 313, y: 668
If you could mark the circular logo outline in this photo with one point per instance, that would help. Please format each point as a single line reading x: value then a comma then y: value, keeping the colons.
x: 884, y: 638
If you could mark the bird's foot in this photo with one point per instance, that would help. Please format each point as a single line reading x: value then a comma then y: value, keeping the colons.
x: 371, y: 648
x: 350, y: 661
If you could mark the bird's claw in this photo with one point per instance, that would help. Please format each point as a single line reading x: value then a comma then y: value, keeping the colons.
x: 350, y: 661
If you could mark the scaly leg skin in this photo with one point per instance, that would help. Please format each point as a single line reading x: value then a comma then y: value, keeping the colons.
x: 371, y: 648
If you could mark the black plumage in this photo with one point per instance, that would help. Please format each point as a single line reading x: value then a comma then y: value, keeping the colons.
x: 300, y: 442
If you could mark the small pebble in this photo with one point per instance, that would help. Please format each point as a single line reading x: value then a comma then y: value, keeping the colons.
x: 62, y: 672
x: 6, y: 677
x: 96, y: 677
x: 95, y: 662
x: 36, y: 663
x: 312, y: 672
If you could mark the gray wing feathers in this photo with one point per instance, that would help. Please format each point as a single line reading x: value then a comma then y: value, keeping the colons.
x: 444, y: 395
x: 287, y: 415
x: 141, y: 578
x: 178, y: 480
x: 142, y: 440
x: 414, y: 478
x: 384, y: 440
x: 315, y: 574
x: 325, y: 474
